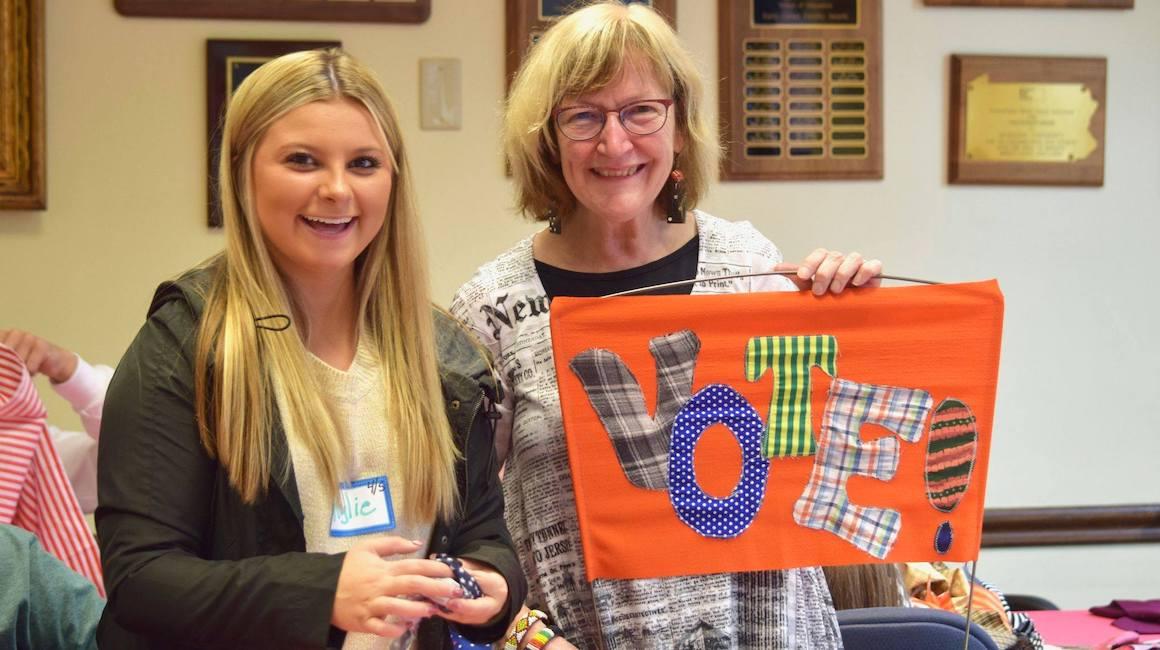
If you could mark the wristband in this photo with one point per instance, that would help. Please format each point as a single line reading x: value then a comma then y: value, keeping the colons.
x: 541, y: 638
x: 521, y: 629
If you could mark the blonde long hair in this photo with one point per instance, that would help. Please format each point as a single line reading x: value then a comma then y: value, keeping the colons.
x: 245, y: 368
x: 584, y: 52
x: 855, y: 586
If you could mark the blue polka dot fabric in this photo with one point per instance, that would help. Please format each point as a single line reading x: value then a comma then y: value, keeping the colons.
x: 460, y: 643
x: 709, y: 515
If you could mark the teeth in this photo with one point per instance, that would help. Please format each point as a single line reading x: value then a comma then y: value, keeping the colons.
x: 332, y: 222
x: 614, y: 173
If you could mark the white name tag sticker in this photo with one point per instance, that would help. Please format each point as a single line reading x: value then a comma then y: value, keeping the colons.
x: 364, y: 507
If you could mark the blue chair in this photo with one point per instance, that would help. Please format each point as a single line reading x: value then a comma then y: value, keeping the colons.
x: 908, y: 628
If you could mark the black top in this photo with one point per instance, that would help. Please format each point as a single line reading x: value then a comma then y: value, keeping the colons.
x: 681, y: 264
x: 188, y: 564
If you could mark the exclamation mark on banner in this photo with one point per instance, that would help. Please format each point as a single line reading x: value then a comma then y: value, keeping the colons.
x: 950, y: 457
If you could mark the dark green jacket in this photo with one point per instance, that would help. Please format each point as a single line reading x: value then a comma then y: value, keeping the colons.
x: 189, y: 565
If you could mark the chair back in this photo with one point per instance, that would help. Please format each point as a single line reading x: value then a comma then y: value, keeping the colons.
x: 909, y: 628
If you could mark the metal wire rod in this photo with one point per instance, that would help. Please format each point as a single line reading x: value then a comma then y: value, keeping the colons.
x: 970, y: 602
x: 682, y: 283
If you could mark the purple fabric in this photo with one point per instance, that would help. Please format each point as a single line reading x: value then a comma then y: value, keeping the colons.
x: 1142, y: 616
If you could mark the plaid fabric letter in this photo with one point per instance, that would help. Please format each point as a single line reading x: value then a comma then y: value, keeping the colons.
x: 788, y: 431
x: 824, y: 504
x: 641, y: 441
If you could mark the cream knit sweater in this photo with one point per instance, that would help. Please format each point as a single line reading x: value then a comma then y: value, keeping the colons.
x: 357, y: 400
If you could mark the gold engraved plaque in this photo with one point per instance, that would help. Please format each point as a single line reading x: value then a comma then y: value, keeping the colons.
x: 1031, y: 122
x: 1023, y: 120
x: 800, y: 89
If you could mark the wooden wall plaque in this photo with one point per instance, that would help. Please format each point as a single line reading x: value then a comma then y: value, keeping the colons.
x: 381, y: 11
x: 528, y: 19
x: 801, y: 89
x: 1026, y: 120
x: 1050, y: 4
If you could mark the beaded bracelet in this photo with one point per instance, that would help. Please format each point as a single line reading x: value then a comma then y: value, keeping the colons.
x: 541, y: 638
x: 521, y: 629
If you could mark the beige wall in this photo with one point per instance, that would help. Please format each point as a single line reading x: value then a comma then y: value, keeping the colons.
x: 1075, y: 422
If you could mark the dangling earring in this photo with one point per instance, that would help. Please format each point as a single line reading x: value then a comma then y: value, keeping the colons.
x: 675, y: 192
x: 553, y: 221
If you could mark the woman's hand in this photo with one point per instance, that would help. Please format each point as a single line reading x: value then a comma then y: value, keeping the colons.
x: 478, y: 611
x: 374, y: 593
x: 825, y: 270
x: 40, y: 355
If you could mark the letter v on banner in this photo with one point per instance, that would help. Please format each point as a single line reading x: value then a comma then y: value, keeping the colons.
x: 942, y: 341
x: 641, y: 441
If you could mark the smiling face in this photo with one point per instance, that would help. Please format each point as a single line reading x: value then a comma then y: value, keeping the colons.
x: 322, y: 185
x: 616, y: 176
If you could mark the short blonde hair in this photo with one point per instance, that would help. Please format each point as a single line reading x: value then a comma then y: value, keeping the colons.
x: 243, y: 370
x: 584, y: 52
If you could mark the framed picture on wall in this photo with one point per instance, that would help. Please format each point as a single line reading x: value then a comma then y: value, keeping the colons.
x: 22, y: 151
x: 227, y: 64
x: 1027, y: 120
x: 380, y: 11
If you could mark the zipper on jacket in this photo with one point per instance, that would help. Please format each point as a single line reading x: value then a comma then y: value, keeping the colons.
x: 467, y: 444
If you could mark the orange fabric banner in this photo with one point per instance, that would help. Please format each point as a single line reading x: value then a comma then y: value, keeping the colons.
x: 725, y: 433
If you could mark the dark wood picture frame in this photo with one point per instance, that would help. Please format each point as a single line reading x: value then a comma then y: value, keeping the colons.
x: 800, y: 94
x: 1031, y: 73
x: 525, y: 21
x: 22, y: 139
x: 1038, y: 4
x: 382, y: 11
x: 227, y: 62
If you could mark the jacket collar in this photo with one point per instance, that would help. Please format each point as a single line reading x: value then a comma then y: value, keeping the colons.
x: 192, y: 288
x: 464, y: 372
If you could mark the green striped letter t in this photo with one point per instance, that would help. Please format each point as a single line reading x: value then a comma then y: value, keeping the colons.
x: 789, y: 429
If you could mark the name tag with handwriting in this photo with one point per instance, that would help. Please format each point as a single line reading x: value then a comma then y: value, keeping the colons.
x: 364, y: 507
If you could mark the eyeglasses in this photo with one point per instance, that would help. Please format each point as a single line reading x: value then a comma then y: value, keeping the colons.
x: 586, y: 122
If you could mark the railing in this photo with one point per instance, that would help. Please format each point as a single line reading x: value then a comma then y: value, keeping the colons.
x: 1120, y: 524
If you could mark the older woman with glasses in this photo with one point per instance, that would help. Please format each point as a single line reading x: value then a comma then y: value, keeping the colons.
x: 608, y: 144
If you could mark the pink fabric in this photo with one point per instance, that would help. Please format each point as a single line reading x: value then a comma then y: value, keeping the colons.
x: 1077, y: 628
x: 34, y: 491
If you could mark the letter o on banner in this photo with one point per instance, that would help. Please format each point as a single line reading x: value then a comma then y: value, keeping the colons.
x: 709, y: 515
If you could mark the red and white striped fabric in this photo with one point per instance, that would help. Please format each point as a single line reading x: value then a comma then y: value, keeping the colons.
x: 34, y: 491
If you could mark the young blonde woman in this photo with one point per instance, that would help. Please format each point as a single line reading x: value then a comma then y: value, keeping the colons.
x: 294, y: 429
x: 608, y: 142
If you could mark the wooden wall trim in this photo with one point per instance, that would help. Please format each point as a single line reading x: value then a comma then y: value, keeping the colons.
x: 1071, y: 525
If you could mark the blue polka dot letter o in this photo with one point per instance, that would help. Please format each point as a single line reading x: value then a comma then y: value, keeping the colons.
x: 708, y: 515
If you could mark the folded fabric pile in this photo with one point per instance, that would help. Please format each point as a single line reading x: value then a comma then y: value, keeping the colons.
x: 938, y: 586
x: 1141, y: 616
